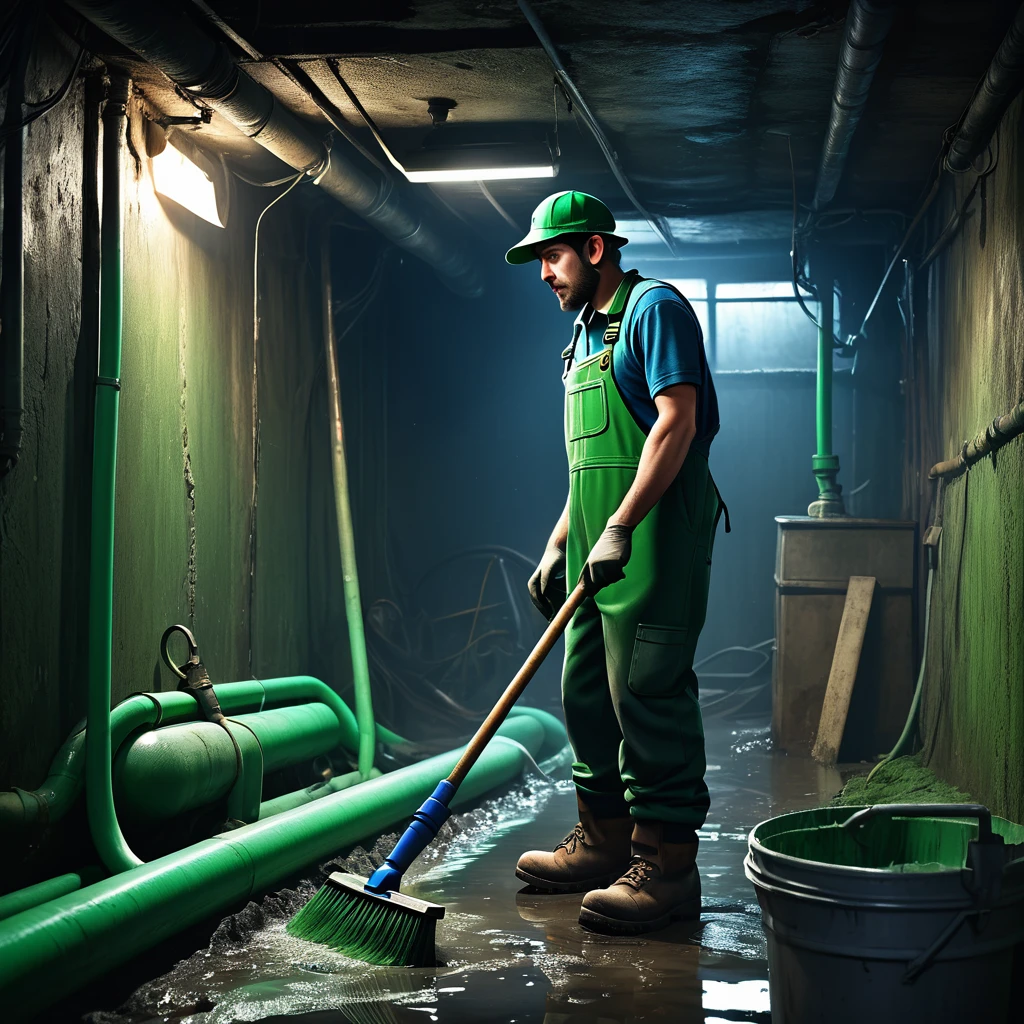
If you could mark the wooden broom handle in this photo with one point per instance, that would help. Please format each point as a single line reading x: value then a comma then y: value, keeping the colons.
x: 515, y: 689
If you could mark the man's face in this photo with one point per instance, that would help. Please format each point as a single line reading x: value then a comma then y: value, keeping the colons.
x: 574, y: 281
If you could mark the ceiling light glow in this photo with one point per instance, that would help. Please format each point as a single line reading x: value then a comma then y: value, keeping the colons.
x: 482, y: 173
x: 177, y: 178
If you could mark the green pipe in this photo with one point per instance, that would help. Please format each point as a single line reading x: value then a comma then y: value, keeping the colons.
x: 51, y: 950
x: 106, y: 833
x: 291, y: 735
x: 42, y: 892
x: 554, y: 730
x: 531, y: 729
x: 346, y: 535
x: 51, y: 801
x: 289, y: 801
x: 825, y: 463
x: 823, y: 404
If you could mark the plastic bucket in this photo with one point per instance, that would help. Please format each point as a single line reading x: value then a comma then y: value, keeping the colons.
x: 893, y: 913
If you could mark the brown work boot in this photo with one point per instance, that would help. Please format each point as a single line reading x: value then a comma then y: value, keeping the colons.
x: 661, y: 885
x: 591, y: 855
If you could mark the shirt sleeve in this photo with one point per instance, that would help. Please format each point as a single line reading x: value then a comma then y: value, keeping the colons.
x: 667, y: 342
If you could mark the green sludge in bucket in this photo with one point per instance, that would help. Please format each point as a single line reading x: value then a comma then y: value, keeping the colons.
x: 894, y: 913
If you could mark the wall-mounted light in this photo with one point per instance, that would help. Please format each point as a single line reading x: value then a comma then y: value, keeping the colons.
x: 182, y: 180
x: 480, y: 163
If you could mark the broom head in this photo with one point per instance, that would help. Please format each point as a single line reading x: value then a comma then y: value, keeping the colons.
x: 389, y: 929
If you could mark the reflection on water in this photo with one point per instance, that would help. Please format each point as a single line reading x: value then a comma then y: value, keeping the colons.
x: 510, y: 955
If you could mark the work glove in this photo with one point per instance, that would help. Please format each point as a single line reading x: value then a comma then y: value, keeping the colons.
x: 547, y: 584
x: 607, y: 558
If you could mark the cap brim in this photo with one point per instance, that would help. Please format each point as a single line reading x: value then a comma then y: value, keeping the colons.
x: 523, y: 252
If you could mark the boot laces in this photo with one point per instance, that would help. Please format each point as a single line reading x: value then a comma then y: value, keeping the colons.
x: 639, y: 873
x: 569, y: 843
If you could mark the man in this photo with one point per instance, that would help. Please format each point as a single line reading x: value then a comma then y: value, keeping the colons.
x: 640, y: 414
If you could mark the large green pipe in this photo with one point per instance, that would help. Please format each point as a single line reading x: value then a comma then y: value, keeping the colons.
x: 524, y: 729
x: 49, y: 951
x: 346, y: 533
x: 106, y: 833
x: 54, y: 798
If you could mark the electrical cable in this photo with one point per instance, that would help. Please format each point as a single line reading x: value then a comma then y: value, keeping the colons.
x: 45, y: 105
x: 254, y: 497
x: 365, y: 115
x: 502, y: 212
x: 658, y: 224
x: 793, y: 247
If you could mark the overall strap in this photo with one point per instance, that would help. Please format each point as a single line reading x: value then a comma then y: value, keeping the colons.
x: 622, y: 311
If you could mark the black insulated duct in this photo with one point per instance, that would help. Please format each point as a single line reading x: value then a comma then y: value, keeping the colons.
x: 1003, y: 80
x: 173, y: 44
x: 867, y: 25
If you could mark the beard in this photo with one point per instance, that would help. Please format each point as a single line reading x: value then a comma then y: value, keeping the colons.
x: 581, y: 288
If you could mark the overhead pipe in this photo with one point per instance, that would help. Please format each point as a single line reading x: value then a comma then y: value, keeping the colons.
x: 12, y: 295
x: 1003, y: 80
x: 204, y: 68
x: 51, y: 950
x: 864, y: 35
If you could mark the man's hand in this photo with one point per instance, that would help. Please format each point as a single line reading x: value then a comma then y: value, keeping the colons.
x: 607, y: 558
x: 547, y: 584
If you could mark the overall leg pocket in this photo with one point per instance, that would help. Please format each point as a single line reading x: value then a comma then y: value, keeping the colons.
x: 662, y: 656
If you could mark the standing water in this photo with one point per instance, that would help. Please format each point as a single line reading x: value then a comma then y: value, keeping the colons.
x: 510, y: 955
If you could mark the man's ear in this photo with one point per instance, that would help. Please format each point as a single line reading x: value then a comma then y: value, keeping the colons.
x: 595, y: 249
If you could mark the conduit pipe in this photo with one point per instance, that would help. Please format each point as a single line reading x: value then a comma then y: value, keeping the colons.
x: 1003, y: 80
x: 867, y: 25
x: 42, y: 892
x: 106, y: 833
x: 343, y: 518
x: 49, y: 951
x: 175, y: 45
x: 12, y: 299
x: 999, y: 432
x: 52, y: 800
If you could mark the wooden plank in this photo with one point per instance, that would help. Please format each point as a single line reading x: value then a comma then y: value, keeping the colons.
x: 845, y: 661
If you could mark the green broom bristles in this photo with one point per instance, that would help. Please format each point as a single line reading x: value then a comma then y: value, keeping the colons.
x: 391, y: 931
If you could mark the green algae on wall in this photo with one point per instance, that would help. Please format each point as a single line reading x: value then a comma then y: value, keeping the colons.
x: 972, y: 721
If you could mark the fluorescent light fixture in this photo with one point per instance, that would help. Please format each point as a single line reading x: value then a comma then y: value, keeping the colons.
x: 177, y: 178
x: 480, y: 163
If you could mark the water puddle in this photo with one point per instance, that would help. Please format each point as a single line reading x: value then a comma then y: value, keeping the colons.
x: 510, y: 955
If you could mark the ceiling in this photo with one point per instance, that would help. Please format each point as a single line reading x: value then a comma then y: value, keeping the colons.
x: 697, y: 97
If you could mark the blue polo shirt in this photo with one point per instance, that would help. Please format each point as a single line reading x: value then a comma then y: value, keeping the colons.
x: 662, y: 345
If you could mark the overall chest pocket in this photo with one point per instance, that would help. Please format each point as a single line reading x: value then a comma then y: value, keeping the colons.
x: 586, y: 410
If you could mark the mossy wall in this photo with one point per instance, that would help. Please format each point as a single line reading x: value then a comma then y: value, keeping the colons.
x: 185, y: 454
x: 971, y: 369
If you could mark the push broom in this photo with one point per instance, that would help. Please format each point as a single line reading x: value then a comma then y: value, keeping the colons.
x: 369, y: 919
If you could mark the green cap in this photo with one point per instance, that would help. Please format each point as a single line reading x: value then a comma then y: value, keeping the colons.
x: 561, y: 214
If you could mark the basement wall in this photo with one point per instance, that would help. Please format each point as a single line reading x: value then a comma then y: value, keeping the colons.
x: 970, y: 368
x: 185, y: 456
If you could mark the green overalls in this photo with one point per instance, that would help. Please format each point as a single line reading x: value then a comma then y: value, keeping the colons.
x: 628, y: 685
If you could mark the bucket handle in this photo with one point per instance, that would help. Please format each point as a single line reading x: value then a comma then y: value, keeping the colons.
x: 979, y: 811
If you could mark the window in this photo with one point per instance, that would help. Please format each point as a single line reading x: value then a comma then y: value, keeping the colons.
x: 756, y: 325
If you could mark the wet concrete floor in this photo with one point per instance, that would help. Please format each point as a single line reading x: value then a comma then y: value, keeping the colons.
x: 512, y: 956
